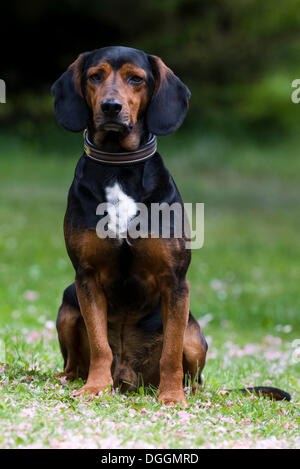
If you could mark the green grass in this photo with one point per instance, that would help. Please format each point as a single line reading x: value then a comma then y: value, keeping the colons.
x: 244, y: 286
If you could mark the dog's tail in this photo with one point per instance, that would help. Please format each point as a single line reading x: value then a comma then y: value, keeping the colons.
x: 265, y: 391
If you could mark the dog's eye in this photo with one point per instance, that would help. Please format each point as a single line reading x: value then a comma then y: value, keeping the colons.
x: 95, y: 77
x: 136, y: 80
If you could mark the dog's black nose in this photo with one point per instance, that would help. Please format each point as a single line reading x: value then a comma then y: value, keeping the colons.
x: 111, y: 107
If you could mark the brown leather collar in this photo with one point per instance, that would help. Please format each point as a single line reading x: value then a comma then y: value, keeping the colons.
x: 127, y: 157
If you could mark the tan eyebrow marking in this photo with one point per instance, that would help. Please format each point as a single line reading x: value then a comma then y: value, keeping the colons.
x: 129, y: 68
x: 103, y: 67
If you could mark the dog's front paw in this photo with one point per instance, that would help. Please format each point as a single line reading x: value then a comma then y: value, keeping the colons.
x: 92, y: 390
x: 172, y: 398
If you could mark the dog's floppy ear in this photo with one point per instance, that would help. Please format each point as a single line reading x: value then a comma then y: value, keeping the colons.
x: 70, y: 107
x: 169, y: 104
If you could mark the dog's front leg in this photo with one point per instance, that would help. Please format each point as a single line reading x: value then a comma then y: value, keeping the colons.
x: 93, y: 308
x: 175, y: 312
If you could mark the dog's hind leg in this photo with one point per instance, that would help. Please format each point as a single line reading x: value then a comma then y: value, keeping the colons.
x: 72, y: 337
x: 194, y: 351
x: 194, y: 355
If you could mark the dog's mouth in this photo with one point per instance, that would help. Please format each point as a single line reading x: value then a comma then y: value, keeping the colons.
x: 113, y: 126
x: 116, y: 134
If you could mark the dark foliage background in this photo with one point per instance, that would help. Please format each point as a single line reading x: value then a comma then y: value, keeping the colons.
x: 237, y: 56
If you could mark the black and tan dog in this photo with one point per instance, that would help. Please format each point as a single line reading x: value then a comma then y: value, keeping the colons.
x: 127, y: 315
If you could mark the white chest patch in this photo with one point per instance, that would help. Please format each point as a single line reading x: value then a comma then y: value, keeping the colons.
x: 121, y: 209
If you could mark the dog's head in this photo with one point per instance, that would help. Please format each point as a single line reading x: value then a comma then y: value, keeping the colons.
x: 120, y: 94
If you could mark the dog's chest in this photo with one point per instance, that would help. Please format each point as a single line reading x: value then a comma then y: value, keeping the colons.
x: 121, y: 209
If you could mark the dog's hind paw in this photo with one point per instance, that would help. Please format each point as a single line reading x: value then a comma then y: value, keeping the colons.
x: 70, y: 376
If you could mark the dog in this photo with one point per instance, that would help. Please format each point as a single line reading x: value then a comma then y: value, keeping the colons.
x: 126, y: 319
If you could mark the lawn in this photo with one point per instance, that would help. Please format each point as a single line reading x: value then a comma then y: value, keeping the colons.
x: 244, y: 290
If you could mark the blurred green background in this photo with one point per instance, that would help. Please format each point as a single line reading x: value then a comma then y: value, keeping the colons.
x: 237, y: 151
